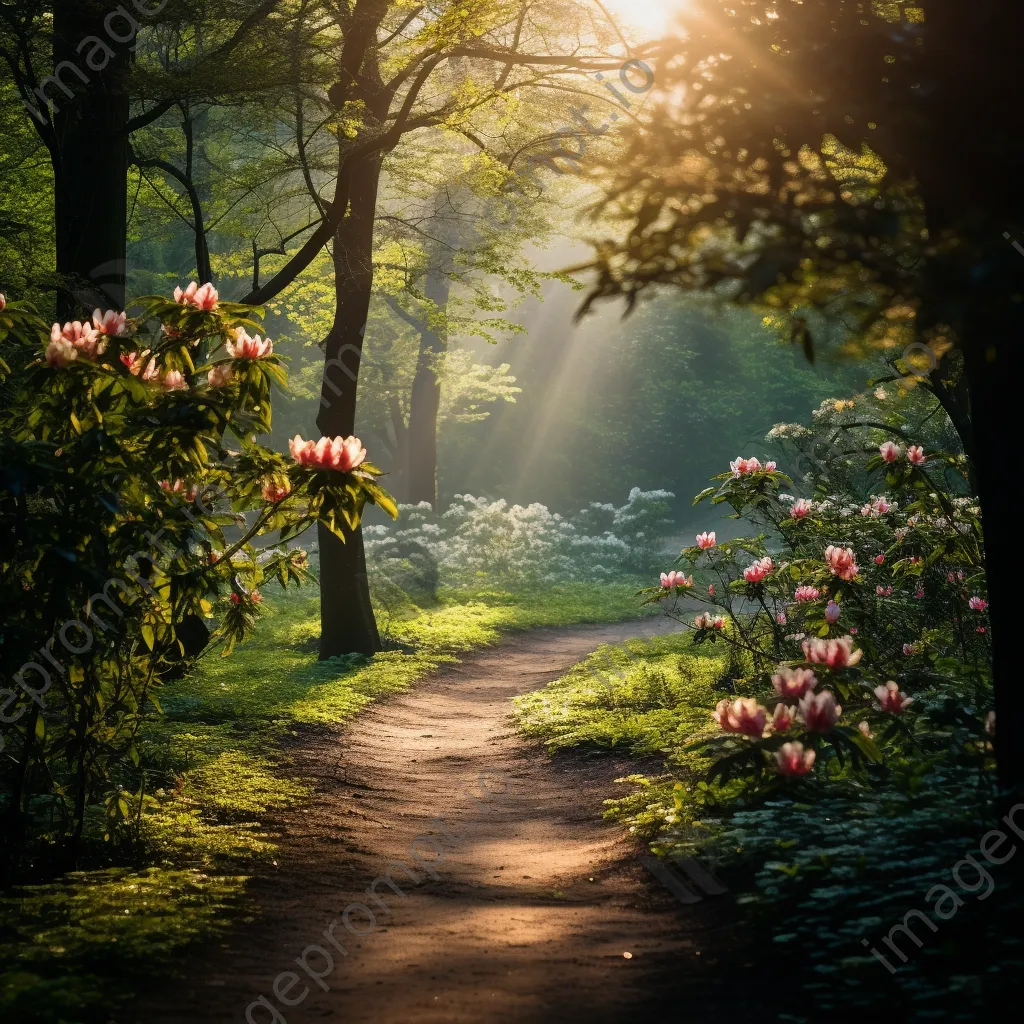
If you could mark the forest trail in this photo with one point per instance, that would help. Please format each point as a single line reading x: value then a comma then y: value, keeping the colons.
x: 537, y: 899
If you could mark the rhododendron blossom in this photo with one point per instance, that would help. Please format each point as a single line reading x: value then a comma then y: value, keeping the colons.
x: 915, y: 454
x: 3, y: 302
x: 276, y: 489
x: 832, y: 613
x: 909, y: 649
x: 801, y: 508
x: 889, y: 451
x: 174, y: 380
x: 741, y: 466
x: 793, y: 683
x: 60, y: 353
x: 865, y: 730
x: 780, y: 618
x: 220, y: 375
x: 340, y: 453
x: 706, y: 540
x: 835, y: 653
x: 673, y: 579
x: 759, y: 570
x: 806, y: 593
x: 743, y: 715
x: 84, y: 337
x: 782, y: 718
x: 708, y: 621
x: 883, y: 591
x: 246, y: 347
x: 770, y: 467
x: 110, y: 322
x: 137, y: 365
x: 203, y: 297
x: 187, y: 491
x: 841, y: 561
x: 890, y: 699
x: 793, y: 760
x: 879, y: 559
x: 819, y: 711
x: 977, y: 604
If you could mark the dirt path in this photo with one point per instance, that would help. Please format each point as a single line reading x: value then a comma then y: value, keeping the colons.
x: 535, y: 903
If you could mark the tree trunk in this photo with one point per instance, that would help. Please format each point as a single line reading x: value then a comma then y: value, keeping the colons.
x: 425, y: 402
x: 347, y: 623
x: 91, y: 165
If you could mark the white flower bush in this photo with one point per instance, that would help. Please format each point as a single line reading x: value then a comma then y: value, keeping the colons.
x: 476, y: 539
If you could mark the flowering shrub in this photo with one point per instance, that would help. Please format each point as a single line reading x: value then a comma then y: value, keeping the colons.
x: 855, y: 614
x: 133, y: 494
x: 477, y: 539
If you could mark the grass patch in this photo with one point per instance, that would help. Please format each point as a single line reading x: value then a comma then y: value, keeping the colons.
x: 213, y: 770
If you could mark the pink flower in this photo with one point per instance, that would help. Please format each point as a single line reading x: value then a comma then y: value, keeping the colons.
x: 60, y: 353
x: 84, y: 337
x: 179, y: 487
x: 977, y: 604
x: 879, y: 559
x: 708, y: 621
x: 744, y: 466
x: 174, y: 380
x: 244, y: 347
x: 711, y: 589
x: 137, y: 365
x: 769, y: 467
x: 673, y: 579
x: 743, y: 715
x: 890, y: 699
x: 915, y: 454
x: 917, y: 593
x: 793, y: 683
x: 780, y: 618
x: 853, y: 630
x: 793, y: 760
x: 841, y: 561
x: 256, y: 597
x: 877, y: 507
x: 111, y: 322
x: 706, y: 540
x: 203, y: 297
x: 900, y: 532
x: 835, y: 653
x: 235, y: 599
x: 221, y: 374
x: 890, y: 452
x: 865, y: 730
x: 3, y: 302
x: 980, y: 629
x: 276, y: 489
x: 759, y: 570
x: 832, y: 612
x: 909, y: 649
x: 990, y: 723
x: 801, y: 508
x: 782, y: 719
x: 883, y: 591
x: 819, y: 711
x: 341, y: 454
x: 806, y: 593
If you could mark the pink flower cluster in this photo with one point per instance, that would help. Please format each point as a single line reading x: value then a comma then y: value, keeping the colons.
x: 793, y: 683
x: 706, y: 540
x: 890, y: 699
x: 877, y: 507
x: 806, y: 593
x: 762, y: 568
x: 801, y: 508
x: 340, y: 453
x: 793, y: 760
x: 72, y: 340
x: 743, y: 467
x: 187, y: 491
x: 671, y: 580
x: 138, y: 366
x: 203, y: 297
x: 819, y: 711
x: 708, y: 621
x: 220, y: 375
x: 835, y: 653
x: 891, y: 452
x: 841, y: 561
x: 977, y: 604
x: 246, y: 347
x: 743, y: 715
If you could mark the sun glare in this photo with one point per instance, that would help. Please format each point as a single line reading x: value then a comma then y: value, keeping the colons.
x: 648, y: 19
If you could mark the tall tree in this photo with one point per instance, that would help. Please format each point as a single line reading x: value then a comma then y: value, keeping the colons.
x: 853, y: 165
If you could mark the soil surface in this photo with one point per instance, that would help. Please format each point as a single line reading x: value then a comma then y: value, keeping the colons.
x: 539, y: 911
